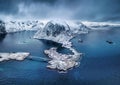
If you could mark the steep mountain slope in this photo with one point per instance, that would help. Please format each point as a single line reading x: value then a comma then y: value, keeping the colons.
x: 2, y: 27
x: 61, y: 32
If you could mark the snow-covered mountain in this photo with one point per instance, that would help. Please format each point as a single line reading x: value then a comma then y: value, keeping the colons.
x: 101, y: 25
x: 15, y: 26
x: 61, y: 31
x: 57, y: 30
x: 75, y: 26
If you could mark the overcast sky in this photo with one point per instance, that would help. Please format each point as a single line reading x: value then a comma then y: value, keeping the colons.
x: 91, y: 10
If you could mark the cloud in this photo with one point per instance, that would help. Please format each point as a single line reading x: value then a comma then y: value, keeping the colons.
x: 95, y: 10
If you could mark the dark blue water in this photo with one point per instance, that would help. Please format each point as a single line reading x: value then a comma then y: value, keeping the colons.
x: 99, y: 66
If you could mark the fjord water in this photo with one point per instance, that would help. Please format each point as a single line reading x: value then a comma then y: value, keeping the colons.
x: 99, y: 65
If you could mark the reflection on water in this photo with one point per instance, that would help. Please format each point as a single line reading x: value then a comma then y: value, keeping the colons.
x: 99, y: 66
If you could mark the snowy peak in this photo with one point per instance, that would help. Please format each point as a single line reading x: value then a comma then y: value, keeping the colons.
x: 61, y: 32
x: 54, y: 31
x: 15, y: 26
x: 53, y: 28
x: 77, y: 27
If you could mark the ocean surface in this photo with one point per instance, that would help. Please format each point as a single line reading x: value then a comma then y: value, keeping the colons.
x: 100, y: 64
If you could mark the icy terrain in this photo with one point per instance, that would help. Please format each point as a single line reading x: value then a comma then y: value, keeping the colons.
x: 58, y: 31
x: 101, y: 25
x: 61, y: 61
x: 16, y: 26
x: 61, y: 32
x: 75, y: 26
x: 14, y: 56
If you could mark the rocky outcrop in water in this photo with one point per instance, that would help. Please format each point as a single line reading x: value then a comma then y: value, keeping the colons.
x: 14, y: 56
x: 62, y: 62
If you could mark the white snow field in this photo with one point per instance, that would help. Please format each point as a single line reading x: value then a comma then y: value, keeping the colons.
x: 14, y: 56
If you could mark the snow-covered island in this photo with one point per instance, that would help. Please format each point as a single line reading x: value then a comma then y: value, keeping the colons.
x: 13, y: 56
x: 61, y: 32
x: 62, y: 62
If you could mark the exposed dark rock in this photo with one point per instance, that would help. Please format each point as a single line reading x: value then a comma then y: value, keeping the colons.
x: 80, y: 40
x: 109, y: 42
x: 2, y: 27
x: 2, y: 36
x: 52, y: 29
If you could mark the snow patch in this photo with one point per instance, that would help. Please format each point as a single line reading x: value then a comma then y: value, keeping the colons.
x: 16, y: 26
x: 62, y: 62
x: 100, y: 25
x: 14, y: 56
